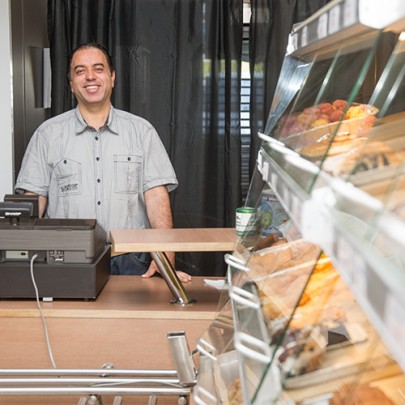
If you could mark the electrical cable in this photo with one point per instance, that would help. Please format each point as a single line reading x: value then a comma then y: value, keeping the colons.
x: 40, y: 311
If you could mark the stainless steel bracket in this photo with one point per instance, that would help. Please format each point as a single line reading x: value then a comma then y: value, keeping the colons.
x: 172, y: 280
x: 183, y: 360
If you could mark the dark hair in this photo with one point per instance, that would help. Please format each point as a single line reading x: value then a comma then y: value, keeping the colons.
x: 92, y: 45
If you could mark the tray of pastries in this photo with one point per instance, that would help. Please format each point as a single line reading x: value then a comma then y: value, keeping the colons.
x: 311, y: 131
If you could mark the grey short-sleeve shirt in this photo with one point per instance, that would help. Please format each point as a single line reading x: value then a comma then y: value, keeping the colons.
x: 101, y: 174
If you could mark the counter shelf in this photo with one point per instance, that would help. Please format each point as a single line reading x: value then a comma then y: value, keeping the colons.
x: 158, y: 241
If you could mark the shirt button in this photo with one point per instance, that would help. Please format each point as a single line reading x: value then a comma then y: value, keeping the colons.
x: 98, y: 180
x: 97, y: 158
x: 96, y: 138
x: 99, y: 203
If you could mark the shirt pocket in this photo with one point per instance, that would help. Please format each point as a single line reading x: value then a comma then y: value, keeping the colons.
x: 68, y: 175
x: 127, y: 173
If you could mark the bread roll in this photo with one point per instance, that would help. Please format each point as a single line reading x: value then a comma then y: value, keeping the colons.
x: 281, y: 256
x: 235, y: 393
x: 374, y: 156
x: 339, y: 145
x: 304, y: 353
x: 362, y: 394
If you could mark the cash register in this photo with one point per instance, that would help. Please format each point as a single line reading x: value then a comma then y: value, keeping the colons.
x: 49, y: 257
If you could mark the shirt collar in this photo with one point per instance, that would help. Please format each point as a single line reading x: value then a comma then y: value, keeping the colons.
x: 81, y: 124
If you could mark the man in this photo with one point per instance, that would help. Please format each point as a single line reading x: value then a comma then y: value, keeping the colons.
x: 99, y: 162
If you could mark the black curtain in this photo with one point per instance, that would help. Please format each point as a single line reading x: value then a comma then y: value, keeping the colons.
x: 271, y: 24
x: 178, y: 66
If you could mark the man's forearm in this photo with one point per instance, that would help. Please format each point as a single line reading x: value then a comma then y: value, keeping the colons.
x: 159, y: 211
x: 158, y: 208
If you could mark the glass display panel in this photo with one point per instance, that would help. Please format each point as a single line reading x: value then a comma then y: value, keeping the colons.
x: 276, y: 279
x: 218, y: 365
x: 290, y: 331
x: 328, y: 345
x: 268, y: 222
x: 330, y: 113
x: 378, y: 165
x: 293, y: 73
x: 373, y: 164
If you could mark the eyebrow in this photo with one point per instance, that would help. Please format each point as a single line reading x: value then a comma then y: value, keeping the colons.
x: 83, y: 66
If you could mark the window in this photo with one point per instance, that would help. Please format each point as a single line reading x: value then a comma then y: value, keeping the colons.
x: 245, y: 102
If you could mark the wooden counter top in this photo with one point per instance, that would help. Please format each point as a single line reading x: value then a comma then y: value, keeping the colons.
x: 126, y: 297
x: 126, y: 326
x: 173, y: 240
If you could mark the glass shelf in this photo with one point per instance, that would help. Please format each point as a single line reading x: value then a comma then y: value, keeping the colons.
x: 342, y: 19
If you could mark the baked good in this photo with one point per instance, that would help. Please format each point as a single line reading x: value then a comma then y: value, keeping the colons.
x: 339, y: 145
x: 316, y: 116
x: 399, y: 209
x: 271, y: 240
x: 327, y: 128
x: 322, y: 120
x: 279, y: 294
x: 373, y: 155
x: 361, y: 394
x: 304, y: 352
x: 235, y: 393
x: 324, y: 289
x: 281, y: 256
x: 304, y: 298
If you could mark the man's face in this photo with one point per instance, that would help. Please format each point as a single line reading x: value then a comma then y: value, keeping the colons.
x: 91, y: 80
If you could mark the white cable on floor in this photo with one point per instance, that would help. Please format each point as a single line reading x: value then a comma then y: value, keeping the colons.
x: 40, y: 311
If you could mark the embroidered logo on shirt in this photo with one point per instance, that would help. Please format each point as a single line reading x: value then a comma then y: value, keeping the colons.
x: 69, y: 187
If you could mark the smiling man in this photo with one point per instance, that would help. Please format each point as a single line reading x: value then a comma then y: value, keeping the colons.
x: 99, y: 162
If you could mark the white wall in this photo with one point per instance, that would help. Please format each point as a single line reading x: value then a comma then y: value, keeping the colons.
x: 6, y: 117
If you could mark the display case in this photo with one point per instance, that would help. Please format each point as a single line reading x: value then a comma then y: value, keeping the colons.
x: 313, y: 312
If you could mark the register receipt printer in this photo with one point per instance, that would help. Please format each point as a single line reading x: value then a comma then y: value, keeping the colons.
x: 68, y: 258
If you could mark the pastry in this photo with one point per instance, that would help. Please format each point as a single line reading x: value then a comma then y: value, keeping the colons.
x: 271, y: 240
x: 322, y: 120
x: 235, y: 393
x: 304, y: 353
x: 362, y: 394
x: 316, y: 304
x: 305, y: 299
x: 399, y: 209
x: 281, y: 256
x: 341, y: 144
x: 373, y: 155
x: 279, y: 295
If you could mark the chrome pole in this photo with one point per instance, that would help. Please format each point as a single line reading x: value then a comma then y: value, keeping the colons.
x: 170, y: 276
x: 91, y: 371
x: 103, y: 381
x: 95, y: 390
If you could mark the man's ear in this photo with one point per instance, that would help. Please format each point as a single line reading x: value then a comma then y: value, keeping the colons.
x: 113, y: 78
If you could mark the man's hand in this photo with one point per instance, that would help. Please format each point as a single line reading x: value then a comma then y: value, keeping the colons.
x: 153, y: 268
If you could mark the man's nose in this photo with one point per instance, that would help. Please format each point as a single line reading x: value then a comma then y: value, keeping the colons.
x: 90, y: 74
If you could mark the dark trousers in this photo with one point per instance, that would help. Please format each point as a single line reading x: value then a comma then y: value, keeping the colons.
x: 134, y: 264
